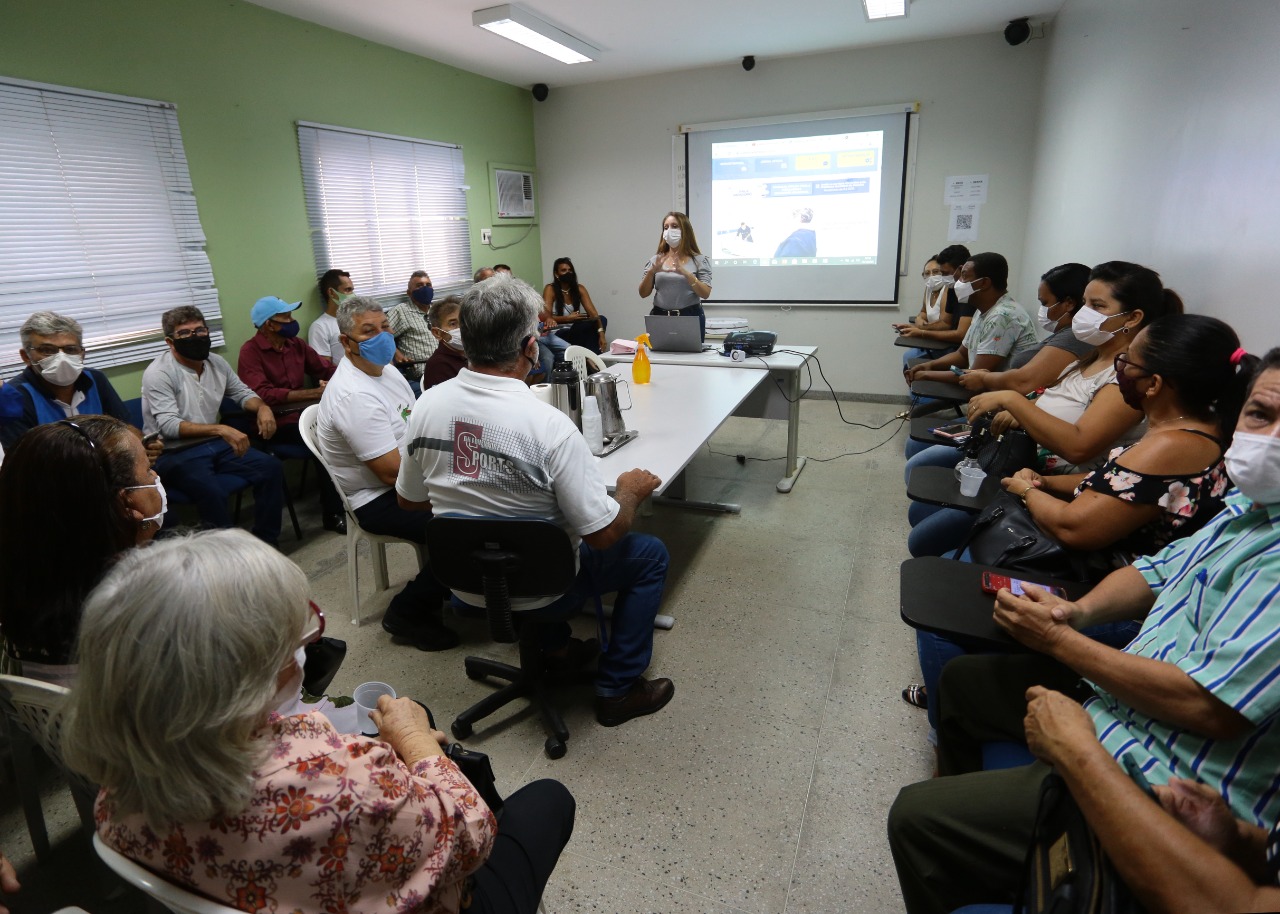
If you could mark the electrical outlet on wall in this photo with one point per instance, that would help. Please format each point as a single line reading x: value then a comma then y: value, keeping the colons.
x: 486, y: 236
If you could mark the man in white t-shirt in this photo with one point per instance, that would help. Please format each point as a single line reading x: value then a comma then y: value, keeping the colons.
x: 362, y: 422
x: 335, y: 288
x: 482, y: 444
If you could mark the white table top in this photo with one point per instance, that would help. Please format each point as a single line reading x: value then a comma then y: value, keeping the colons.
x: 675, y: 413
x: 714, y: 359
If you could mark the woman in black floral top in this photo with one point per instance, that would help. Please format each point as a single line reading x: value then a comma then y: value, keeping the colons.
x: 1182, y: 371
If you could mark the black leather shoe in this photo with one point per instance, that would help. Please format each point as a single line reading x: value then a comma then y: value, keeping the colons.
x: 425, y: 636
x: 336, y: 522
x: 645, y: 697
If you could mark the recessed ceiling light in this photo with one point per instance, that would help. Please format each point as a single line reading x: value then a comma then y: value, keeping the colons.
x: 884, y: 9
x: 523, y: 27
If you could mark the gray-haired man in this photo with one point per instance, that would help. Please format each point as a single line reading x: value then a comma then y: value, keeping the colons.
x: 364, y: 413
x: 482, y: 444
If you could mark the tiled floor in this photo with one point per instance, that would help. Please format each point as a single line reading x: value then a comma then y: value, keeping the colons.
x: 764, y: 785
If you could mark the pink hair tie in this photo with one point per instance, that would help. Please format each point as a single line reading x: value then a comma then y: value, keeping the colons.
x: 1237, y: 356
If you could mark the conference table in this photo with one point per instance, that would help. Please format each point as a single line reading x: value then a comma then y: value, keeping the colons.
x: 674, y: 415
x: 779, y: 398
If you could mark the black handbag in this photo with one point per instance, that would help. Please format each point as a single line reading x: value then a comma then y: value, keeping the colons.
x: 1066, y: 871
x: 1005, y: 535
x: 999, y: 455
x: 475, y: 767
x: 324, y: 657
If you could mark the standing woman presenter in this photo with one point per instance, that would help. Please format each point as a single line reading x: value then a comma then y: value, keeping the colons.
x: 678, y: 275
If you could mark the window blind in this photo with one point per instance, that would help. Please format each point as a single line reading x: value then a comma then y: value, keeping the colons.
x: 98, y: 220
x: 381, y: 207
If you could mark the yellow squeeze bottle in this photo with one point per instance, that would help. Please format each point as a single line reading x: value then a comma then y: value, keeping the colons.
x: 640, y: 365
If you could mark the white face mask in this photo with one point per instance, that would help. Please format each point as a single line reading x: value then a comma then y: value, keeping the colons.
x: 934, y: 283
x: 287, y: 695
x: 672, y: 237
x: 60, y: 369
x: 157, y: 519
x: 1086, y: 324
x: 1047, y: 323
x: 455, y: 338
x: 1253, y: 463
x: 964, y: 290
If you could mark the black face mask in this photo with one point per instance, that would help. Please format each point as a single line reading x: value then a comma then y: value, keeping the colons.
x: 1129, y: 390
x: 569, y: 280
x: 195, y: 348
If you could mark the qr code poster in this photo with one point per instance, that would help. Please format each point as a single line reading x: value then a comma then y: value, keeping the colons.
x: 963, y: 225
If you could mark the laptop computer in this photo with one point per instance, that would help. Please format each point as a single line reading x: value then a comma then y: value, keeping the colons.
x: 673, y: 333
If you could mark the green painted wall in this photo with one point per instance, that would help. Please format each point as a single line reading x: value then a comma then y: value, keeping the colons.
x: 241, y: 77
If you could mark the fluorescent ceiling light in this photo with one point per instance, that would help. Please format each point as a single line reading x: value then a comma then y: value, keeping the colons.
x: 521, y: 26
x: 884, y: 9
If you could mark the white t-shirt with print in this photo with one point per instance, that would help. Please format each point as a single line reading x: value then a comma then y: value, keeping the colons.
x: 362, y: 417
x: 484, y: 445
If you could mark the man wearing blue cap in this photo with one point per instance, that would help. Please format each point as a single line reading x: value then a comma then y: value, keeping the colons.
x: 275, y: 363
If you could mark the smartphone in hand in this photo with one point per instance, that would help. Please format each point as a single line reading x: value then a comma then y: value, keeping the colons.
x: 994, y: 582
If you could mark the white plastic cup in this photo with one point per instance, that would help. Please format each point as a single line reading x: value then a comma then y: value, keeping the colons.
x: 971, y: 480
x: 366, y: 698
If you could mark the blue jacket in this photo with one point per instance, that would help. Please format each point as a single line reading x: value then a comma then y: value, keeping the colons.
x: 26, y: 402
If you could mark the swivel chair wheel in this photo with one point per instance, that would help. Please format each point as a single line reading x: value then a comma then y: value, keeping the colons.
x: 555, y: 748
x: 461, y: 729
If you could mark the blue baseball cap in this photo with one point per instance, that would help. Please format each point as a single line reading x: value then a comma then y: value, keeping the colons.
x: 266, y: 308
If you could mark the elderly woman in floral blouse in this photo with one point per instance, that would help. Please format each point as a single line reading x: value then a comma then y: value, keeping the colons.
x: 181, y: 666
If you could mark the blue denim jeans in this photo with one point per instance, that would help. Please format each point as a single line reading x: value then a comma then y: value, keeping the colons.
x: 634, y: 568
x: 923, y: 454
x: 194, y: 472
x: 936, y: 530
x: 550, y: 347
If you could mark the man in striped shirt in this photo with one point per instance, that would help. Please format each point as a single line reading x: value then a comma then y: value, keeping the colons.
x: 1195, y: 695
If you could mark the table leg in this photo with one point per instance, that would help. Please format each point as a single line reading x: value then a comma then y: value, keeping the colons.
x: 674, y: 495
x: 795, y: 463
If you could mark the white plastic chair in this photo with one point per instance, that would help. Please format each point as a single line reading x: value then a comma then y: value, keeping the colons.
x: 581, y: 357
x: 174, y: 898
x: 30, y: 711
x: 377, y: 542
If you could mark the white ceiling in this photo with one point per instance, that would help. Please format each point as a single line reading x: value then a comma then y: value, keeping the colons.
x: 641, y: 38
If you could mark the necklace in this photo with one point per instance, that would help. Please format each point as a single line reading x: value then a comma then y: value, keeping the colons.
x: 1163, y: 422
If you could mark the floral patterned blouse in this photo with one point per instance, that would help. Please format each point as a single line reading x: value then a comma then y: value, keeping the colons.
x: 1188, y: 500
x: 337, y: 825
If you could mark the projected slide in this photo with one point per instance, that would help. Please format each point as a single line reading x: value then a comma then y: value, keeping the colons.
x: 797, y: 201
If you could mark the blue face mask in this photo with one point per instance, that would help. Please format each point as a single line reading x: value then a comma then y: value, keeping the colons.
x: 289, y: 330
x: 379, y: 350
x: 423, y: 295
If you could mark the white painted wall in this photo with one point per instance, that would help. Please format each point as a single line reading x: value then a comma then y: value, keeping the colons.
x: 604, y: 168
x: 1159, y: 142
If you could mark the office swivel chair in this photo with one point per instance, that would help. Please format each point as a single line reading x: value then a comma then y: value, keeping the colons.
x: 503, y: 558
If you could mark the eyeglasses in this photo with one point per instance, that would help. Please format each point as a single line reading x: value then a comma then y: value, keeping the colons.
x: 1122, y: 359
x: 198, y: 332
x: 315, y: 629
x: 46, y: 351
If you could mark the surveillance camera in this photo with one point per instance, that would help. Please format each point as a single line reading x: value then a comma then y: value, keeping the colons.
x: 1017, y: 31
x: 749, y: 63
x: 540, y: 91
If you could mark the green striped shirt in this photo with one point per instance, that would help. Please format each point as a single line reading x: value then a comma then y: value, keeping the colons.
x: 1217, y: 618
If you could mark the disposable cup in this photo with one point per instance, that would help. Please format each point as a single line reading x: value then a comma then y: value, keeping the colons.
x: 366, y: 698
x: 971, y: 480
